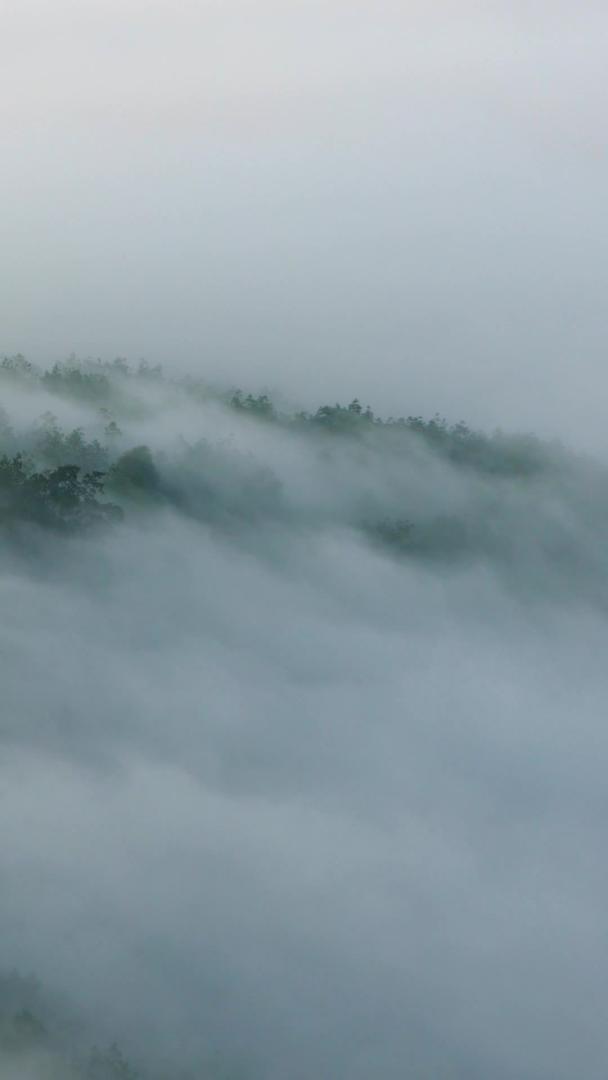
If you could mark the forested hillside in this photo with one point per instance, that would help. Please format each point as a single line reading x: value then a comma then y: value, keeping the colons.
x: 87, y: 445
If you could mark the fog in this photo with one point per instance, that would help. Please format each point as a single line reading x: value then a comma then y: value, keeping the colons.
x: 400, y: 196
x: 282, y: 797
x: 302, y: 725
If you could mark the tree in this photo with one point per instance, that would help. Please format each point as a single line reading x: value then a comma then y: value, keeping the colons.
x: 135, y: 474
x: 56, y: 498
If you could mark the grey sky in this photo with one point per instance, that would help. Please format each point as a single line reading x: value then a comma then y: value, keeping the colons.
x: 400, y: 200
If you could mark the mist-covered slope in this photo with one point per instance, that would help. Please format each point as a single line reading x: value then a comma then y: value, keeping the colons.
x: 98, y: 443
x: 303, y: 738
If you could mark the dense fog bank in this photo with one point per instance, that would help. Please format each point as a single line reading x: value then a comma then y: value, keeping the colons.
x: 303, y: 741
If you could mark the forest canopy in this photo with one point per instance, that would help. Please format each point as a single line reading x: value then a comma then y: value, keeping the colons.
x: 127, y: 455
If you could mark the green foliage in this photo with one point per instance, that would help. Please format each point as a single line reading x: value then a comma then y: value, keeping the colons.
x: 98, y: 382
x: 350, y: 419
x: 148, y: 371
x: 7, y: 435
x: 18, y: 369
x: 70, y: 380
x: 260, y: 407
x: 59, y: 499
x: 53, y: 447
x: 55, y: 478
x: 217, y: 483
x: 135, y: 475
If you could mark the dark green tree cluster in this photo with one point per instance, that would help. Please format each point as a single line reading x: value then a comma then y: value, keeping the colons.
x: 63, y: 499
x: 72, y: 381
x: 51, y: 446
x: 259, y: 406
x: 71, y: 480
x: 100, y: 383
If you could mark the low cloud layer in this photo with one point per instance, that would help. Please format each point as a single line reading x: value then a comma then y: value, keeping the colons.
x: 281, y: 799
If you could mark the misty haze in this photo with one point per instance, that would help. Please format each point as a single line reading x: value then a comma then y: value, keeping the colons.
x: 303, y: 604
